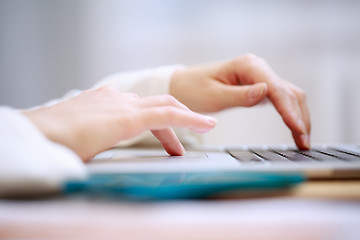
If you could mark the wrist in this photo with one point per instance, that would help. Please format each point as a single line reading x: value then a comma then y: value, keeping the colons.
x: 46, y: 124
x: 177, y: 85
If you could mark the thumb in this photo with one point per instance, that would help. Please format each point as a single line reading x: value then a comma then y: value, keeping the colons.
x: 245, y: 95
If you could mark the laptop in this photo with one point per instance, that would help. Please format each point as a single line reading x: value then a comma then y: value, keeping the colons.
x: 332, y: 161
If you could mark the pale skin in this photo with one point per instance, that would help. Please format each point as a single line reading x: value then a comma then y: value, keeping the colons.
x: 243, y: 82
x: 97, y: 119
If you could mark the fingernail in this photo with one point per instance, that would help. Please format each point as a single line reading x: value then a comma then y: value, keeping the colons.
x: 209, y: 119
x: 305, y: 140
x: 202, y: 130
x: 257, y: 91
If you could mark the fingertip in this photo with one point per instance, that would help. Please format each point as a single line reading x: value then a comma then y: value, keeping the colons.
x: 210, y: 120
x: 169, y: 141
x: 305, y: 141
x: 200, y: 130
x: 178, y: 150
x: 302, y: 141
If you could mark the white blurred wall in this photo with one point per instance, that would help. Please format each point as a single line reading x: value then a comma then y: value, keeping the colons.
x: 48, y: 47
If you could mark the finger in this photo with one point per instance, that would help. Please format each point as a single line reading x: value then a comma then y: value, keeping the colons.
x: 169, y: 141
x: 254, y: 69
x: 303, y: 140
x: 244, y: 96
x: 306, y: 116
x: 162, y: 117
x: 287, y: 99
x: 163, y: 100
x: 304, y: 110
x: 288, y: 105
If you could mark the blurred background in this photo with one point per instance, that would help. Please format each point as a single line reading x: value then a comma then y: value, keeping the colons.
x: 49, y: 47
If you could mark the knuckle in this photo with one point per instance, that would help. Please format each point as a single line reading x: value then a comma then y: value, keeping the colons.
x: 287, y: 93
x: 301, y: 94
x: 297, y: 93
x: 106, y: 90
x: 250, y: 60
x: 165, y: 113
x: 292, y: 95
x: 168, y: 99
x: 250, y: 57
x: 169, y: 113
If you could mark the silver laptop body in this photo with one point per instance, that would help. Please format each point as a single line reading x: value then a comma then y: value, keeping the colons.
x: 321, y: 162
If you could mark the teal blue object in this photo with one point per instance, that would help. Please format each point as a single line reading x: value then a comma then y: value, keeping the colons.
x: 182, y: 185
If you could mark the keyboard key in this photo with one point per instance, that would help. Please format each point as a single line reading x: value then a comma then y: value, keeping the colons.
x: 245, y: 156
x: 270, y: 156
x: 319, y: 156
x: 352, y: 153
x: 294, y: 156
x: 340, y: 154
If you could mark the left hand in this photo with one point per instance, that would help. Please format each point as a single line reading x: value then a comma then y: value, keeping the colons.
x: 97, y: 119
x: 244, y: 81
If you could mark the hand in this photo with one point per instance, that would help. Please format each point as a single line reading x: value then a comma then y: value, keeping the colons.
x: 244, y: 81
x: 97, y: 119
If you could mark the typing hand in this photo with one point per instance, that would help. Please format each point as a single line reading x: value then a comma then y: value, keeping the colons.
x: 97, y: 119
x: 244, y: 81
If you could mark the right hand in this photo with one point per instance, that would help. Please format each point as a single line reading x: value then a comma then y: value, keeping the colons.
x: 243, y: 82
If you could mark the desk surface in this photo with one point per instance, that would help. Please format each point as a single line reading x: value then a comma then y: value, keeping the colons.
x: 314, y: 210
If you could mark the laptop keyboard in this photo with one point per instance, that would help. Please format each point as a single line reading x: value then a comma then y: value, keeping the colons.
x: 294, y: 156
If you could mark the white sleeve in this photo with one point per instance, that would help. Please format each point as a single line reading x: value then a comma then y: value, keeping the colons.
x: 145, y: 83
x: 29, y: 162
